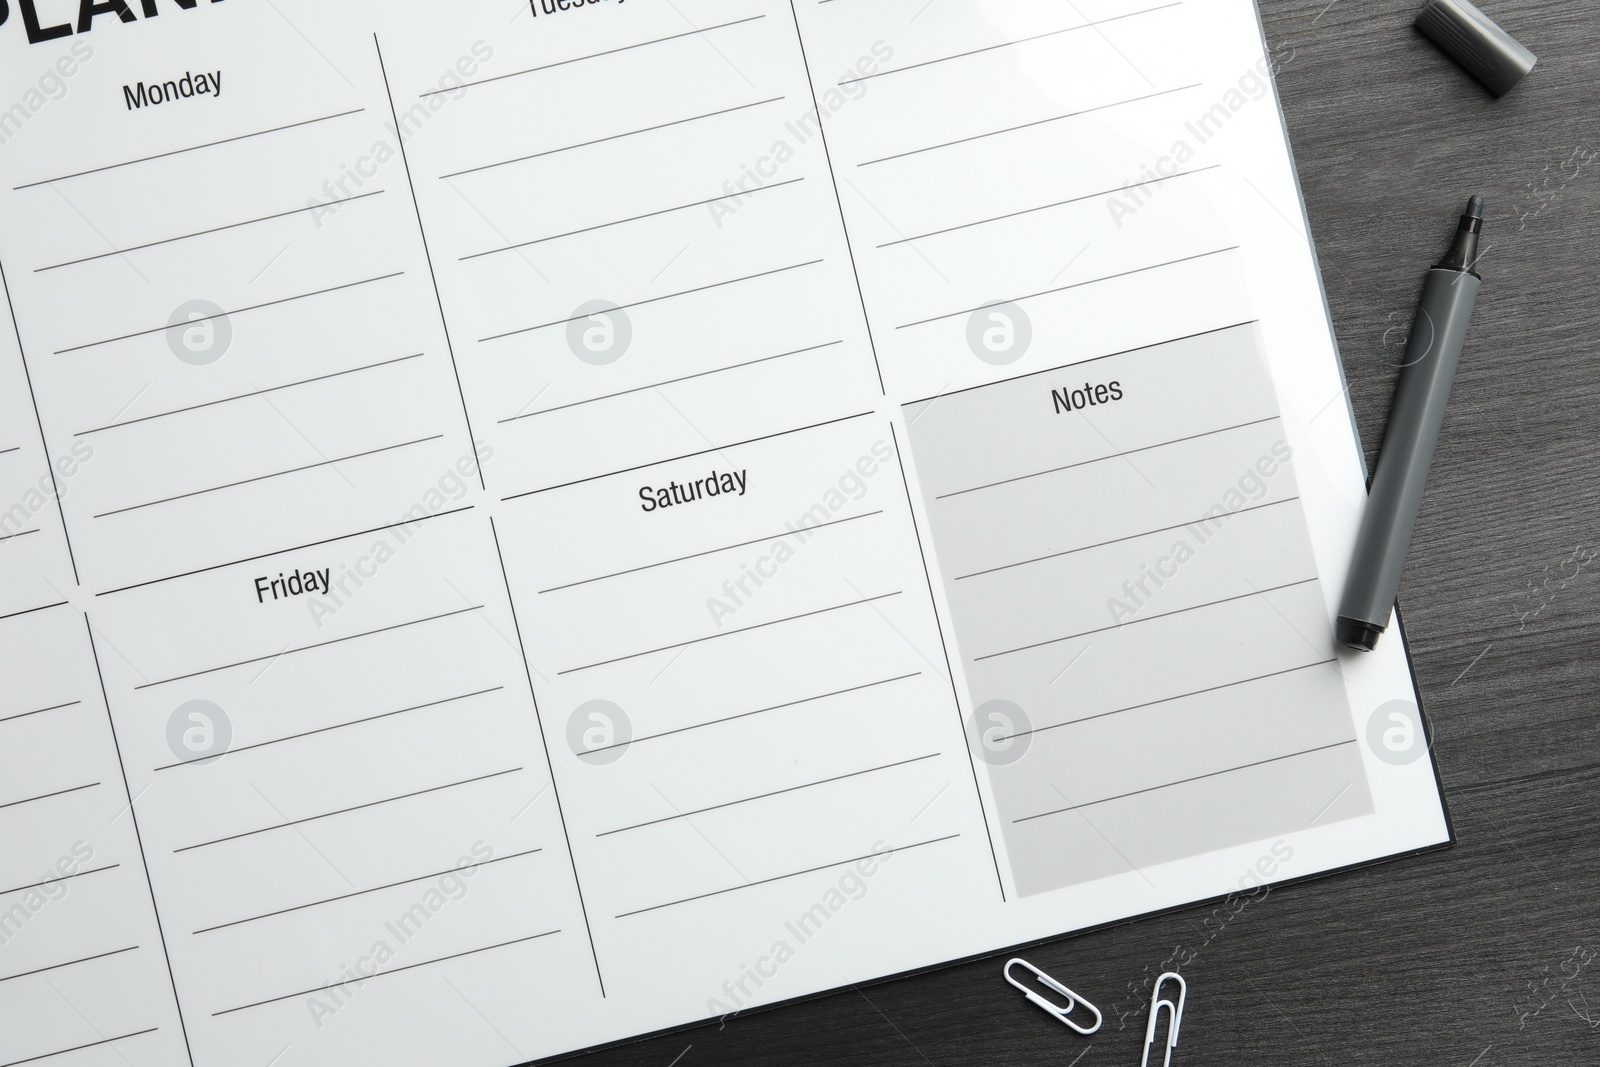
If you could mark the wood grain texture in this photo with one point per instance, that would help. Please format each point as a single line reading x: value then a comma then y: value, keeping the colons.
x: 1426, y: 959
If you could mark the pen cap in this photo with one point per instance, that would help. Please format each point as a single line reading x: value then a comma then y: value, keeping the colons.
x: 1472, y: 39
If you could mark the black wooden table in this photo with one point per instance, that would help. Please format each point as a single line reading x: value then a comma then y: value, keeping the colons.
x: 1487, y: 953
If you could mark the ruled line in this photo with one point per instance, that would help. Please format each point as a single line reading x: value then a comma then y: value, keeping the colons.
x: 427, y: 255
x: 20, y: 533
x: 949, y: 672
x: 41, y: 711
x: 652, y: 300
x: 544, y: 747
x: 1074, y: 285
x: 346, y: 811
x: 47, y: 796
x: 266, y: 477
x: 33, y: 399
x: 1129, y: 537
x: 609, y: 137
x: 731, y: 632
x: 670, y: 381
x: 686, y: 455
x: 1046, y: 207
x: 1082, y: 362
x: 228, y: 314
x: 80, y: 1048
x: 1186, y: 781
x: 1028, y: 125
x: 593, y: 55
x: 1143, y: 619
x: 338, y: 726
x: 712, y: 551
x: 1169, y: 700
x: 838, y: 201
x: 773, y: 793
x: 307, y: 648
x: 30, y: 611
x: 363, y: 892
x: 246, y: 396
x: 70, y: 963
x: 381, y: 974
x: 63, y: 878
x: 1008, y: 44
x: 747, y: 714
x: 138, y: 838
x: 633, y: 218
x: 285, y: 551
x: 8, y: 451
x: 192, y: 148
x: 791, y: 874
x: 212, y: 230
x: 1114, y: 455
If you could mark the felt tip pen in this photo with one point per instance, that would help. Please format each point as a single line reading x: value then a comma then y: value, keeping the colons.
x: 1432, y: 354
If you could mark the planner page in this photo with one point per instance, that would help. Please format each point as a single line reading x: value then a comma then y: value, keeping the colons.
x: 528, y: 524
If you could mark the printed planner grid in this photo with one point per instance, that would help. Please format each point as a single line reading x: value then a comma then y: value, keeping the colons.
x: 560, y: 523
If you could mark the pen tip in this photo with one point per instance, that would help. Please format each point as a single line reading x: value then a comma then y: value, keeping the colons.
x: 1475, y: 207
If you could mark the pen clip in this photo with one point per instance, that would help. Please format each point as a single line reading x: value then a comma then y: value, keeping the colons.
x: 1057, y: 1011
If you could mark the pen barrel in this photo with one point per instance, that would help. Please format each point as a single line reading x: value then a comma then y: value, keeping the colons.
x: 1433, y: 352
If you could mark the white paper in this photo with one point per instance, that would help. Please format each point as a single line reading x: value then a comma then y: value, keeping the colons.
x: 530, y: 525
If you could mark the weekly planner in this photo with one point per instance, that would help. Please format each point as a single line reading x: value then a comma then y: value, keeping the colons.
x: 526, y: 524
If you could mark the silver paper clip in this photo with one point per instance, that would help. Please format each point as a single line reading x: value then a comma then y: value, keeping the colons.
x: 1057, y: 1011
x: 1157, y: 1002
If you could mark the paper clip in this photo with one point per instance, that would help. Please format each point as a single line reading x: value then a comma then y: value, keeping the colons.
x: 1157, y: 1002
x: 1057, y: 1011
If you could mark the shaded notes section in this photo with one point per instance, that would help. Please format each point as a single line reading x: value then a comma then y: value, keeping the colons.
x: 339, y: 769
x: 1144, y: 635
x: 747, y: 695
x: 1009, y: 169
x: 83, y: 975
